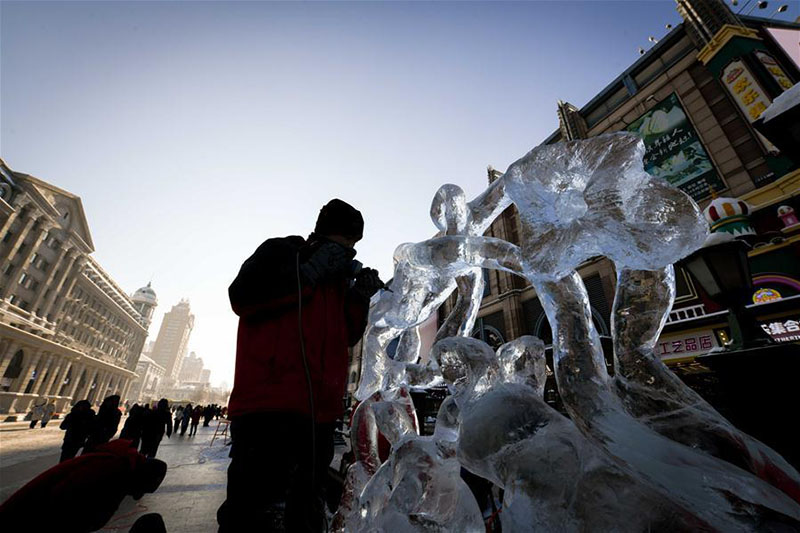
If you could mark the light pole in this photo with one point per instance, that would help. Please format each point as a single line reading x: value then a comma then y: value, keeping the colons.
x: 780, y: 9
x: 723, y: 271
x: 760, y: 5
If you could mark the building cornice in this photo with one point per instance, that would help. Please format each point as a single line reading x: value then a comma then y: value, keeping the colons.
x: 26, y: 337
x: 777, y: 191
x: 723, y: 36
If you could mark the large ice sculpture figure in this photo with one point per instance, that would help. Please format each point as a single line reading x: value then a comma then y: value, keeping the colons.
x: 425, y: 274
x: 554, y: 478
x: 640, y: 443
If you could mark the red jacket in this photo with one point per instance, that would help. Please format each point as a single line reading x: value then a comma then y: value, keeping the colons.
x: 78, y: 495
x: 270, y: 374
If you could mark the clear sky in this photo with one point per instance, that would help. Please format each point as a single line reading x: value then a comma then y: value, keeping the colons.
x: 194, y: 131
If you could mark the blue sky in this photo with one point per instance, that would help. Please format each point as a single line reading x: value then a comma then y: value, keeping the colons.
x: 194, y: 131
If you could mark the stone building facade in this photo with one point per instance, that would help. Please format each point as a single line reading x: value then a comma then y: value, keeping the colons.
x: 147, y: 385
x: 67, y: 330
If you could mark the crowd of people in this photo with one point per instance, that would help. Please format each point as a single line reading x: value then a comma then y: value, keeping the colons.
x: 107, y: 470
x: 144, y: 427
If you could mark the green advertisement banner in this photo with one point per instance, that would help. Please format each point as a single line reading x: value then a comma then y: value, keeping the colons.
x: 674, y: 152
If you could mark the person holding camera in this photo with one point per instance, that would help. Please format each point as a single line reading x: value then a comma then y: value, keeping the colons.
x: 301, y: 303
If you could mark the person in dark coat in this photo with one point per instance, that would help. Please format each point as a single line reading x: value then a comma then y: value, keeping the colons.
x: 156, y: 422
x: 301, y: 303
x: 185, y: 418
x: 78, y: 423
x: 83, y: 493
x: 132, y: 430
x: 208, y: 414
x: 105, y: 423
x: 196, y: 414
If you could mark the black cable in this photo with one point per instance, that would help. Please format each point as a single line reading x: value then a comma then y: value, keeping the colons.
x: 310, y: 390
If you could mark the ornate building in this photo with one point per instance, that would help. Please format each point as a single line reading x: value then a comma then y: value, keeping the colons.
x: 147, y: 385
x: 67, y: 330
x: 145, y: 302
x: 173, y: 339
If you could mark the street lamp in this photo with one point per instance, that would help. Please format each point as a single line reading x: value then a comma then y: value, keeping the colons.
x: 723, y: 272
x: 780, y: 9
x: 760, y: 5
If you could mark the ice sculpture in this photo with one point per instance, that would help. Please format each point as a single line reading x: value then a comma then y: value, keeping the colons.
x: 640, y: 450
x: 554, y: 478
x: 653, y: 394
x: 419, y: 487
x: 425, y: 274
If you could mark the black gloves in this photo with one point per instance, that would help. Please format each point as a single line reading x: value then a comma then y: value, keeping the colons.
x: 367, y: 282
x: 330, y: 259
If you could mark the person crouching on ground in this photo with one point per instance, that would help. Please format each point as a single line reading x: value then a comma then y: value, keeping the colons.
x: 82, y: 494
x: 301, y: 304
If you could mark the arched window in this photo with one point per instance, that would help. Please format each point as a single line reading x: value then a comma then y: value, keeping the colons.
x: 13, y: 371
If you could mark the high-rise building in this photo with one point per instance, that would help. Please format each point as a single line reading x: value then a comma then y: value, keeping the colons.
x: 205, y: 375
x: 192, y: 368
x: 173, y: 338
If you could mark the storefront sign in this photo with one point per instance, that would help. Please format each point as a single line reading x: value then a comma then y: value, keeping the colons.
x: 762, y: 296
x: 744, y: 88
x: 774, y: 69
x: 674, y: 152
x: 686, y: 345
x: 782, y: 330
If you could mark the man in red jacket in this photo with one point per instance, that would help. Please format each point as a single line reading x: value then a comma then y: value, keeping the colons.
x: 301, y: 304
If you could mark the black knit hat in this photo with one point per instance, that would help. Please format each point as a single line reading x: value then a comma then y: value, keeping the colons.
x: 340, y: 218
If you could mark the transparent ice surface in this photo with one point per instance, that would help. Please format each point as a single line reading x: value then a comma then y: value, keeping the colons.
x: 640, y: 451
x: 419, y: 487
x: 554, y: 478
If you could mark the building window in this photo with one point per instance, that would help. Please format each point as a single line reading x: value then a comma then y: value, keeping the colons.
x: 8, y: 269
x: 34, y: 257
x: 23, y: 278
x: 12, y: 372
x: 7, y: 236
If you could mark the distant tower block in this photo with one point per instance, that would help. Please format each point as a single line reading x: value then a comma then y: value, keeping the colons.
x: 173, y: 338
x: 145, y: 301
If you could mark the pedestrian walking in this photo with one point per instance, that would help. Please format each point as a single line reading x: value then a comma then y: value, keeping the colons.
x: 196, y: 414
x: 37, y: 413
x: 301, y: 303
x: 77, y: 424
x: 49, y: 411
x: 185, y: 418
x: 105, y: 423
x: 208, y: 414
x: 156, y: 422
x: 178, y: 417
x: 132, y: 430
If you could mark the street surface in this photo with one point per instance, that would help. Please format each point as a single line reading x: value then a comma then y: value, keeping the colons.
x: 188, y: 498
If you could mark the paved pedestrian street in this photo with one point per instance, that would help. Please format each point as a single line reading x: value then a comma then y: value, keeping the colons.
x: 188, y: 498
